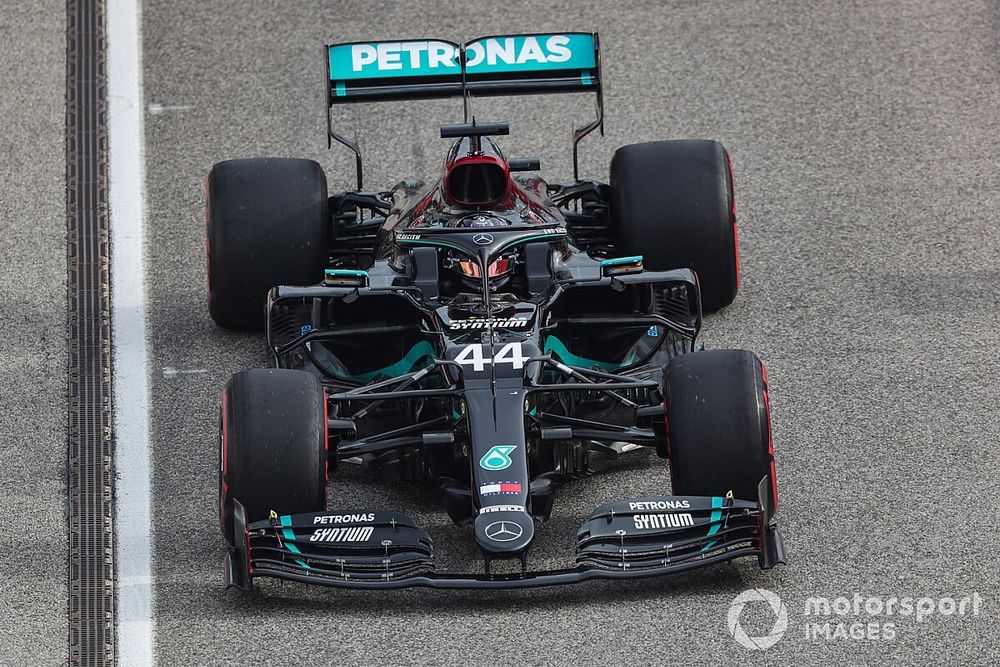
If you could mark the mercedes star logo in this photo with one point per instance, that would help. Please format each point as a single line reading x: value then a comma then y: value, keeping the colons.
x: 483, y: 238
x: 503, y: 531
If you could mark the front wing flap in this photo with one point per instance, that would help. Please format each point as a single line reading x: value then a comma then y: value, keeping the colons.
x: 346, y: 545
x: 661, y: 531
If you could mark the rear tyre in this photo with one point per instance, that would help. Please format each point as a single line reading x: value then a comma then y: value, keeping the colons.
x: 273, y: 445
x: 719, y: 424
x: 672, y: 203
x: 268, y: 224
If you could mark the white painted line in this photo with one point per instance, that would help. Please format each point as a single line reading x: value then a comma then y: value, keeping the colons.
x: 130, y: 388
x: 155, y: 108
x: 170, y: 371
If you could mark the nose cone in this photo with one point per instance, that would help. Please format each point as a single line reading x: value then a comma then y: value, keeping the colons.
x: 504, y: 532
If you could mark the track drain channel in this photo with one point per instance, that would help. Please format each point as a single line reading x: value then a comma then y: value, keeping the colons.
x: 91, y: 574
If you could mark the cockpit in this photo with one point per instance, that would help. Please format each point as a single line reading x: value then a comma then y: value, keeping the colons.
x: 481, y: 197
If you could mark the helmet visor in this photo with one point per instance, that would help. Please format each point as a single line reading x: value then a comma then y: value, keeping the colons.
x: 498, y: 267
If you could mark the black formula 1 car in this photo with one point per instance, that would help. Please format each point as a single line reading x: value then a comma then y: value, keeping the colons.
x: 488, y: 331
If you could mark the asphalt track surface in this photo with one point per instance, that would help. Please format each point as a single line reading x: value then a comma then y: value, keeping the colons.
x: 865, y: 143
x: 33, y: 543
x: 865, y: 148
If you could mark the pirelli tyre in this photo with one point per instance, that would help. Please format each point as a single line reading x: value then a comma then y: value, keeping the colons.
x: 272, y: 445
x: 718, y: 419
x: 268, y: 223
x: 672, y: 202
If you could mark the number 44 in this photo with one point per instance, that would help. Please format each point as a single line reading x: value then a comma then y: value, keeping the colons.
x: 472, y: 355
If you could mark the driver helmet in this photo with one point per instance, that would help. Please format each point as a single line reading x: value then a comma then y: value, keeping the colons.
x: 500, y: 268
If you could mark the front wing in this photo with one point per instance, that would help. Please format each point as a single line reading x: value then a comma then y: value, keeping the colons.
x: 628, y: 539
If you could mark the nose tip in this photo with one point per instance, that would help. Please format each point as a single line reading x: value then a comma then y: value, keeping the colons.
x: 504, y: 532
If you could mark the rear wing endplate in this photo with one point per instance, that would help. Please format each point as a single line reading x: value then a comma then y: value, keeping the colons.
x: 494, y: 65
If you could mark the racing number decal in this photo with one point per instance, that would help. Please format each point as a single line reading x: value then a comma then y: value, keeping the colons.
x: 477, y: 360
x: 512, y: 353
x: 472, y: 355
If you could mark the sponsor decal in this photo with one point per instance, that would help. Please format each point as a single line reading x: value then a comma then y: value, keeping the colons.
x: 508, y: 54
x: 483, y: 56
x: 504, y: 531
x: 644, y: 521
x: 344, y: 518
x: 502, y: 508
x: 412, y: 58
x: 497, y: 458
x: 402, y: 236
x: 499, y: 487
x: 478, y: 323
x: 653, y: 331
x: 660, y: 505
x: 482, y: 238
x: 348, y: 534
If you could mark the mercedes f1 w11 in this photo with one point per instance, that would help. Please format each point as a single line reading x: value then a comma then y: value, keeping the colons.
x: 487, y: 331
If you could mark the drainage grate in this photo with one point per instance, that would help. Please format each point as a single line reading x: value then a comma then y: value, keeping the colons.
x: 91, y: 575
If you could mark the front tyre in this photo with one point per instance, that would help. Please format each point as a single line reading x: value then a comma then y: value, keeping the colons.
x: 719, y: 424
x: 272, y: 445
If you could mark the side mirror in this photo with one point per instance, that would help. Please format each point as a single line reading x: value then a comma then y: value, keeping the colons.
x: 524, y: 164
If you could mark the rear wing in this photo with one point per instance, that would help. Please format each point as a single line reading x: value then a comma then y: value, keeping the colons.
x: 494, y: 65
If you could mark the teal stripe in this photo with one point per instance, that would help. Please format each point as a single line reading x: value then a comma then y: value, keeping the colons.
x: 526, y: 239
x: 346, y: 272
x: 557, y: 347
x: 621, y: 260
x: 340, y: 90
x: 716, y: 520
x: 419, y: 352
x: 586, y: 79
x: 288, y: 534
x: 303, y: 564
x: 444, y: 244
x: 440, y: 243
